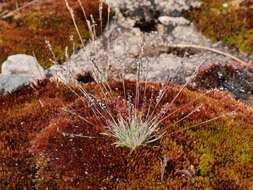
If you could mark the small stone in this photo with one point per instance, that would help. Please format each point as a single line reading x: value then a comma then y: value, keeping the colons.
x: 18, y: 71
x: 174, y: 21
x: 10, y: 83
x: 22, y: 64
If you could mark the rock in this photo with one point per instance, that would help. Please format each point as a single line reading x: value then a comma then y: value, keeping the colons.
x: 189, y: 35
x: 145, y: 13
x: 174, y: 21
x: 137, y: 26
x: 22, y: 64
x: 136, y: 36
x: 124, y: 51
x: 11, y: 83
x: 18, y: 71
x: 163, y: 6
x: 234, y: 78
x: 176, y: 7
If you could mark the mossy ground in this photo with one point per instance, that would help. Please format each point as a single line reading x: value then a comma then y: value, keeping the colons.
x: 27, y: 30
x: 37, y: 152
x: 228, y: 21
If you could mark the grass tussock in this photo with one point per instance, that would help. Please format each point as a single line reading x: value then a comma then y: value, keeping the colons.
x: 133, y: 132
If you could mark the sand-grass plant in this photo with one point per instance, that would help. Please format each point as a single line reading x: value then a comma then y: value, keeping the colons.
x: 133, y: 132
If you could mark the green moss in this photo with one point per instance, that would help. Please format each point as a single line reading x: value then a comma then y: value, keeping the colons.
x: 32, y: 21
x: 206, y: 162
x: 223, y: 147
x: 232, y: 25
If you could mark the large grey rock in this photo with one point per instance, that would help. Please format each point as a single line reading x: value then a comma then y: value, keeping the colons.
x: 22, y: 64
x: 128, y: 47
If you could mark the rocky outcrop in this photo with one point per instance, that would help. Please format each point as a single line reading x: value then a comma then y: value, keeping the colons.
x: 137, y: 36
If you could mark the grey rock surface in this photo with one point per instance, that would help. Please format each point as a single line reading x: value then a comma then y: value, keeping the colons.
x: 173, y: 21
x: 163, y: 6
x: 136, y: 37
x: 18, y: 71
x: 22, y: 64
x: 11, y: 83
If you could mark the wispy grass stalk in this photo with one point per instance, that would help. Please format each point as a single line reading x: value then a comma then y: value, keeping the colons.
x: 71, y: 12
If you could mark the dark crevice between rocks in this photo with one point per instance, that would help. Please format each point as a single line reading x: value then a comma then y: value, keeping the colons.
x: 146, y: 26
x: 146, y: 18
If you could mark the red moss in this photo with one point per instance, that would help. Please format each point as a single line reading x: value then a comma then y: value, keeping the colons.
x: 23, y: 114
x: 26, y: 31
x: 69, y: 152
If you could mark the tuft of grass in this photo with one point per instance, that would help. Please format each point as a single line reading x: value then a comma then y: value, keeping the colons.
x: 133, y: 132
